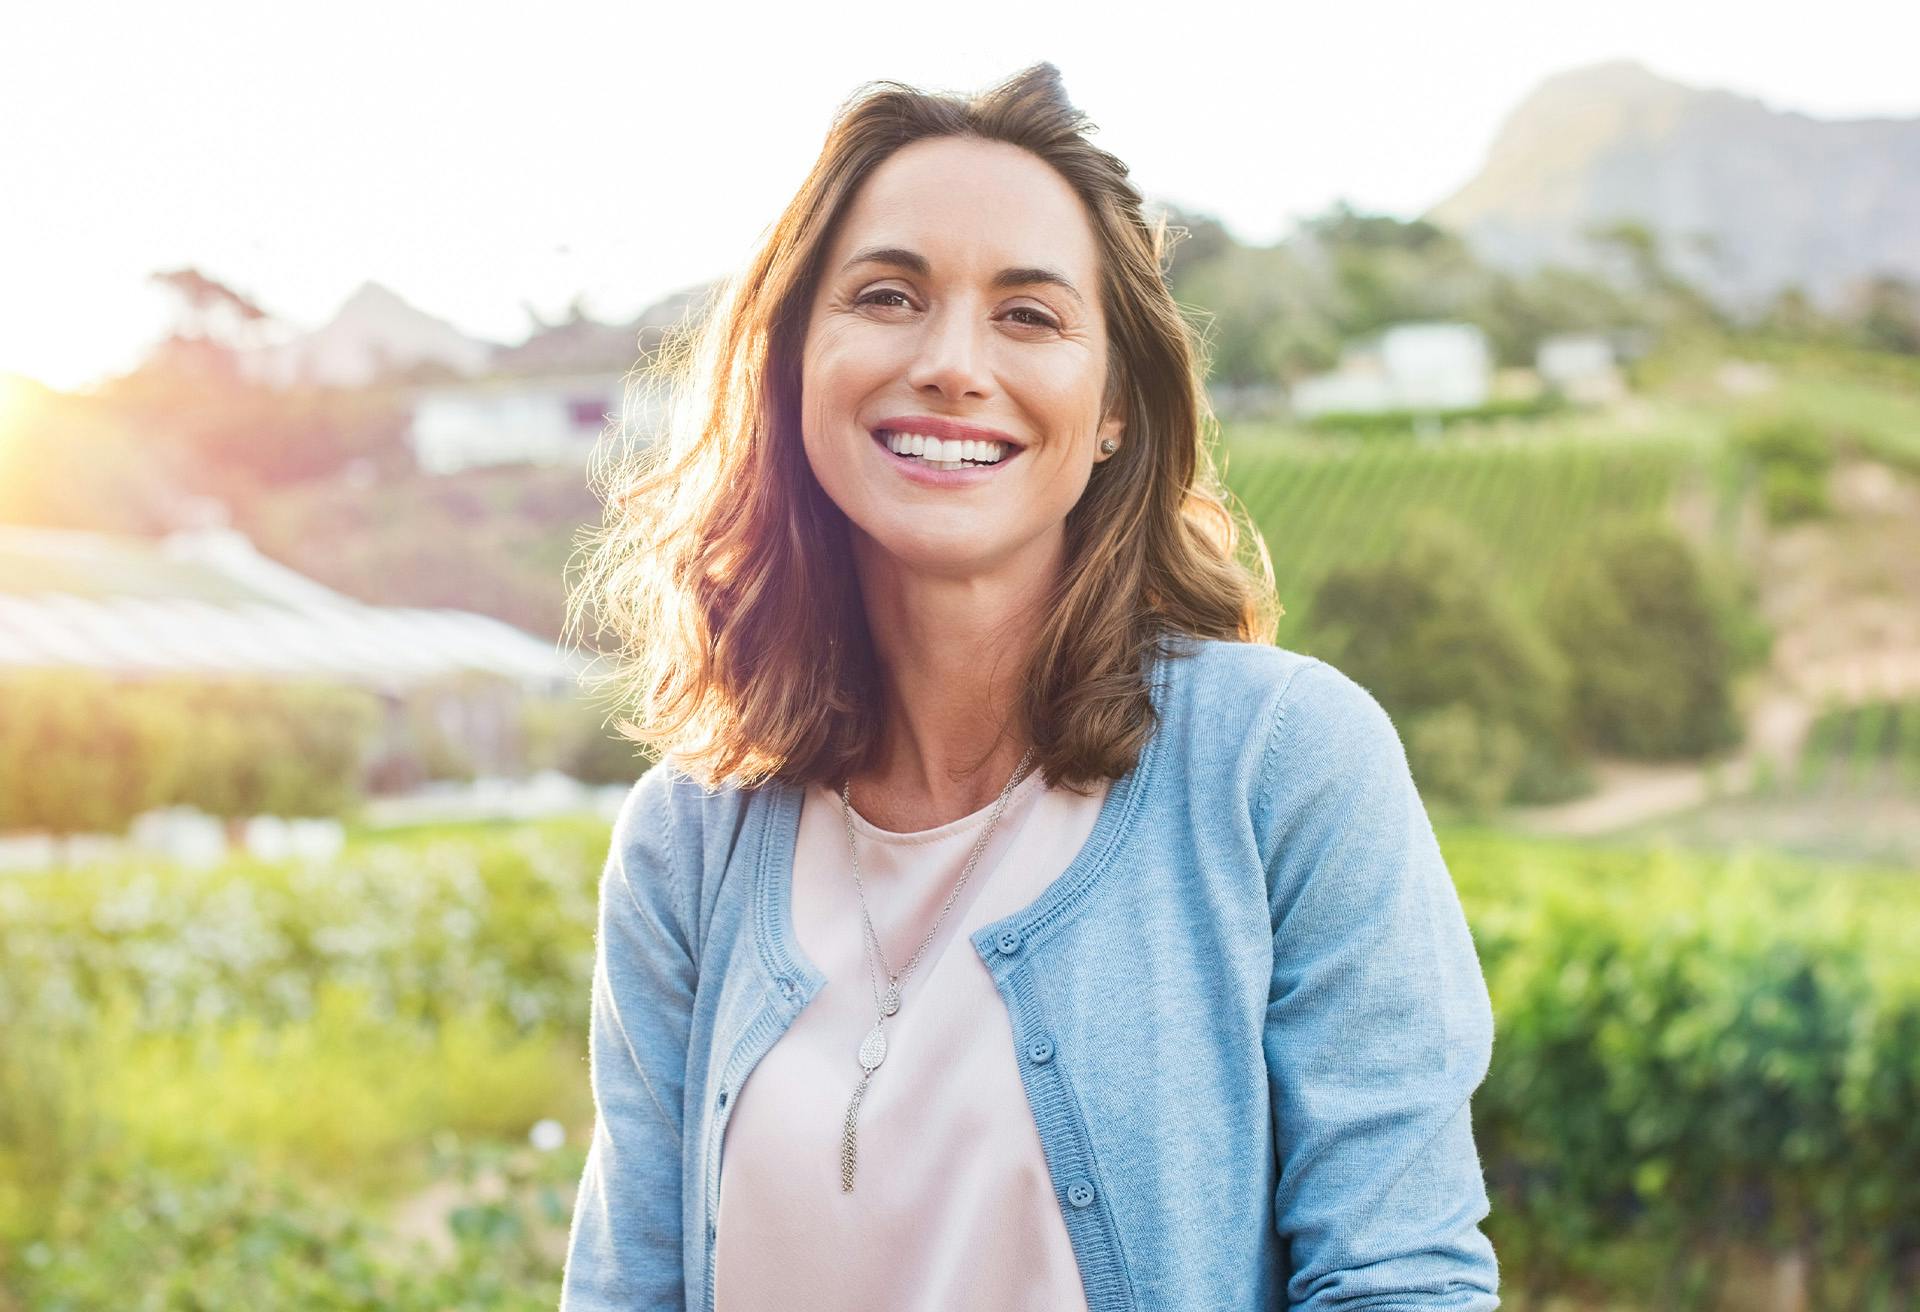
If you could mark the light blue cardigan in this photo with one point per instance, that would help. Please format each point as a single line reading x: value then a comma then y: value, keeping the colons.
x: 1249, y: 1015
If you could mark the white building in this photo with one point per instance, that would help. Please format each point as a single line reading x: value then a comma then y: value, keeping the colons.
x: 1410, y: 366
x: 494, y: 421
x: 1580, y: 366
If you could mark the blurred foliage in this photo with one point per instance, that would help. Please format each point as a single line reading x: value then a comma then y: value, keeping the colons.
x: 1535, y: 500
x: 1858, y: 750
x: 572, y: 736
x: 1701, y: 1052
x: 1792, y: 455
x: 1652, y: 671
x: 1275, y: 313
x: 1479, y: 693
x: 131, y: 1236
x: 82, y: 752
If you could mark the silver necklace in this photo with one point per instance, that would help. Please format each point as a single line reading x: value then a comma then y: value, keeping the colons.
x: 873, y: 1048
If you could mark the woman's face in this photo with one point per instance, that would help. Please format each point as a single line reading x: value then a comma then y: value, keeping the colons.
x: 961, y: 293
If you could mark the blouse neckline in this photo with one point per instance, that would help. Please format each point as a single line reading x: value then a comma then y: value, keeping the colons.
x: 906, y: 837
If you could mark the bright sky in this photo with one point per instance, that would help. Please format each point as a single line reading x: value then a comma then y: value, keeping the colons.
x: 477, y: 156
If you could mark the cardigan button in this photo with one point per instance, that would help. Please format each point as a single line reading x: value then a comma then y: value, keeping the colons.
x: 1080, y: 1193
x: 1040, y: 1050
x: 1009, y: 941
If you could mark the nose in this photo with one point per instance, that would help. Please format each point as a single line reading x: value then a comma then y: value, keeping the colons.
x: 949, y: 358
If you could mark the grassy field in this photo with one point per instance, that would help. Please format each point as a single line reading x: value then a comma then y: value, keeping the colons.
x: 1534, y: 494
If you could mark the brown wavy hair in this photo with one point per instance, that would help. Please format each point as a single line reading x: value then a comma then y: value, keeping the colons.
x: 722, y: 571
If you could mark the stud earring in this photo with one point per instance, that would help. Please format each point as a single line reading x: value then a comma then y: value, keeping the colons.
x: 1108, y: 445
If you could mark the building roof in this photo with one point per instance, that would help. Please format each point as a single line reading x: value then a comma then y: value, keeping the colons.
x: 208, y: 603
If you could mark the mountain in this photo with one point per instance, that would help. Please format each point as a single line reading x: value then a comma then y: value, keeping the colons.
x: 1780, y: 198
x: 374, y: 332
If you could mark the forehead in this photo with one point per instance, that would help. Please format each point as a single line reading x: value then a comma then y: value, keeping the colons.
x: 970, y: 205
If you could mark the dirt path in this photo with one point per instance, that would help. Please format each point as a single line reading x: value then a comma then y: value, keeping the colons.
x: 1843, y: 598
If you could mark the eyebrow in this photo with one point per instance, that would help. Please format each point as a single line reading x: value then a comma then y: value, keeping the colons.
x: 914, y: 262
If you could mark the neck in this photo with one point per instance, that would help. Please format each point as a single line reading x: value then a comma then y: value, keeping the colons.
x: 953, y: 655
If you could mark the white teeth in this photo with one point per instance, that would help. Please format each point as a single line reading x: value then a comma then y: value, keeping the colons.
x: 945, y: 454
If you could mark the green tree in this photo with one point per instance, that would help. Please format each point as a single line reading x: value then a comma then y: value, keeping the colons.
x: 1478, y: 691
x: 1652, y: 668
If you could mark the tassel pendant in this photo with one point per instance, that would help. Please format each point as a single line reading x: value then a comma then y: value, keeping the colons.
x: 849, y: 1146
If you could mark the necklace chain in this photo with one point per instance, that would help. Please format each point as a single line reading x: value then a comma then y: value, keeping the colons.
x: 873, y: 1049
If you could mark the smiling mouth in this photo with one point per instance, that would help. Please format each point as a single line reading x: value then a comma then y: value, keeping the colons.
x: 945, y: 455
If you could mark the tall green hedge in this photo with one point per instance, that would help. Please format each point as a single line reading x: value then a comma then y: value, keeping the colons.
x: 82, y: 752
x: 1700, y: 1051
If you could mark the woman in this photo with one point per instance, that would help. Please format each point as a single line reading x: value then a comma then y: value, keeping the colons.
x: 930, y: 601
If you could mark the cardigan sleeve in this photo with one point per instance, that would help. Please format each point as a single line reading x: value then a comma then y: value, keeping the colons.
x: 624, y: 1247
x: 1378, y: 1025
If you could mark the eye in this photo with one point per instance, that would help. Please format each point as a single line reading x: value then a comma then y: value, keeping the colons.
x: 872, y: 297
x: 1040, y: 320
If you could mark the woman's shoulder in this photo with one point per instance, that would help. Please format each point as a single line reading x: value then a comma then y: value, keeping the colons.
x: 1258, y: 712
x: 670, y: 811
x: 1224, y: 683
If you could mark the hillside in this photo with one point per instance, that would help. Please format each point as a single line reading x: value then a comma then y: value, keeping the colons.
x: 1784, y: 198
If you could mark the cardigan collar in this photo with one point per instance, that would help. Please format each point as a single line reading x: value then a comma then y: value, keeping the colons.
x: 775, y: 819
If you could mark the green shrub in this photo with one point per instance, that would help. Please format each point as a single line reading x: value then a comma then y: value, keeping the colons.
x: 1652, y: 670
x: 130, y: 1236
x: 571, y: 735
x: 1430, y: 633
x: 1790, y: 493
x: 1792, y: 456
x: 1460, y: 755
x: 1698, y: 1050
x: 266, y: 747
x: 84, y: 752
x: 81, y: 753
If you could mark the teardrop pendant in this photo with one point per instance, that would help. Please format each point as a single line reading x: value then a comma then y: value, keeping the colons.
x: 873, y: 1048
x: 890, y: 1000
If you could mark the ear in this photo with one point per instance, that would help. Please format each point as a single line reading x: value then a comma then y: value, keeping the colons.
x: 1111, y: 429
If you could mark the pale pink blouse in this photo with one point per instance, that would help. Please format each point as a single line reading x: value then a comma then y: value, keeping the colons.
x: 952, y: 1207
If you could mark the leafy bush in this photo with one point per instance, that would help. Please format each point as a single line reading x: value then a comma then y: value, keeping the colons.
x: 315, y: 1022
x: 1652, y: 669
x: 1793, y: 456
x: 1791, y: 493
x: 571, y: 735
x: 84, y: 752
x: 131, y: 1236
x: 1430, y: 633
x: 1460, y: 755
x: 78, y: 755
x: 1698, y: 1051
